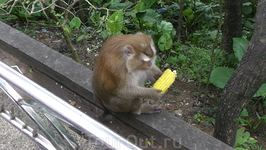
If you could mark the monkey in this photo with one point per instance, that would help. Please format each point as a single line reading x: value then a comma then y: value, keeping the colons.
x: 124, y: 64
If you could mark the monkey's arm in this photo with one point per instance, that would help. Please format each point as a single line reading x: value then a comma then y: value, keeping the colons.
x: 154, y: 73
x: 133, y: 92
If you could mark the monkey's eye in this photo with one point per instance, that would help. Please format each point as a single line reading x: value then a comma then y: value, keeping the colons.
x: 149, y: 55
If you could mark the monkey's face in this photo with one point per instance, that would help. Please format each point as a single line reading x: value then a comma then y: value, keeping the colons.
x: 145, y: 61
x: 144, y: 52
x: 147, y: 54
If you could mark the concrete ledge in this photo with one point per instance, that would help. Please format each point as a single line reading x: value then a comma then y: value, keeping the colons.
x: 168, y: 130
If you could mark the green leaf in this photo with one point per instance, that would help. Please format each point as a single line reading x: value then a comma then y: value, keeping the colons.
x: 247, y: 8
x: 165, y: 42
x: 148, y: 3
x: 144, y: 4
x: 239, y: 136
x: 119, y: 6
x: 188, y: 13
x: 240, y: 148
x: 140, y: 7
x: 171, y: 60
x: 244, y: 113
x: 67, y: 29
x: 2, y: 2
x: 31, y: 70
x: 246, y: 135
x: 115, y: 22
x: 24, y: 14
x: 75, y: 23
x: 182, y: 58
x: 239, y: 46
x: 220, y: 76
x: 261, y: 91
x: 263, y: 118
x: 81, y: 37
x: 252, y: 141
x: 166, y: 27
x: 148, y: 15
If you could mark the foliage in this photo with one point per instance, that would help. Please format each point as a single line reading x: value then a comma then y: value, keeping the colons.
x: 17, y: 11
x: 192, y: 62
x: 201, y: 118
x: 239, y: 46
x: 200, y: 14
x: 126, y: 17
x: 157, y: 18
x: 114, y: 25
x: 248, y: 11
x: 221, y: 75
x: 244, y: 141
x: 165, y: 42
x: 252, y: 123
x: 261, y: 91
x: 206, y: 114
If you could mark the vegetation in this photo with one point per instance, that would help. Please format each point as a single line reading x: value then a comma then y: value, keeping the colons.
x: 189, y: 45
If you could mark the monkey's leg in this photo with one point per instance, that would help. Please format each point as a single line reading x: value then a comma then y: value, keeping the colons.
x: 146, y: 107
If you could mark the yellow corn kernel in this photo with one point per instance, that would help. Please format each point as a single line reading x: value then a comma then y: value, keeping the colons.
x: 165, y: 81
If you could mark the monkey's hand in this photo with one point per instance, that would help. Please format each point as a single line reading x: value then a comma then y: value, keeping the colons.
x: 140, y: 92
x: 155, y: 94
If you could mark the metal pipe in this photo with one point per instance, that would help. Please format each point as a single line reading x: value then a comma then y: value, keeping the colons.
x: 72, y: 115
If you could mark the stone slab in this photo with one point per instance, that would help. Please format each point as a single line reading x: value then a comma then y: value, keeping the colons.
x: 168, y: 130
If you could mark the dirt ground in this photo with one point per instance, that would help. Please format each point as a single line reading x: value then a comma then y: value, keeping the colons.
x: 184, y: 99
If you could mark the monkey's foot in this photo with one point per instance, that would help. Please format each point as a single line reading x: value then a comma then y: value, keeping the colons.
x: 146, y: 107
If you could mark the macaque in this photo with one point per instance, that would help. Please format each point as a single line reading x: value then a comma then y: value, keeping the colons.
x: 124, y: 64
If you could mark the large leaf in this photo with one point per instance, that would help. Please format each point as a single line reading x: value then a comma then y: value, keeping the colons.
x: 247, y: 8
x: 115, y: 22
x: 239, y: 46
x: 148, y: 15
x: 220, y: 76
x: 140, y: 7
x: 261, y: 91
x: 242, y: 136
x: 166, y: 27
x: 75, y: 23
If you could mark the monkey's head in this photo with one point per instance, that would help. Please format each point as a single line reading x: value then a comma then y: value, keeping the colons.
x: 140, y: 52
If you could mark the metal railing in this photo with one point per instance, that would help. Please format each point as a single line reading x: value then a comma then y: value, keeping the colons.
x: 55, y: 112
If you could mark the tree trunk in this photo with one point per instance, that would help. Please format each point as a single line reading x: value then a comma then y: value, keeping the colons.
x: 180, y: 20
x: 246, y: 80
x: 232, y: 24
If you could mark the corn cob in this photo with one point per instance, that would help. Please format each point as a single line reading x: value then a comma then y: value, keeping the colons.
x: 165, y: 81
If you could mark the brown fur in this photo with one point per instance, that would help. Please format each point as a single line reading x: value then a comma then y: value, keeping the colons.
x: 124, y: 64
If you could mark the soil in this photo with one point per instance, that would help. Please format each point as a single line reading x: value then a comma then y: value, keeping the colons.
x: 185, y: 98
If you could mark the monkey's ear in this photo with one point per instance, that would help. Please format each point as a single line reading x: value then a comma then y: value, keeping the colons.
x: 128, y: 50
